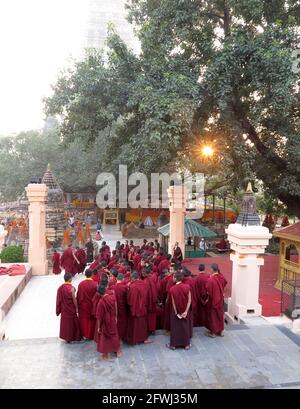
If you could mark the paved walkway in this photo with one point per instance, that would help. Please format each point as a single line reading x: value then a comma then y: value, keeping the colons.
x: 256, y: 355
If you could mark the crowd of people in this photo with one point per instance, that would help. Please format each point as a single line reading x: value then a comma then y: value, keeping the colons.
x: 131, y: 292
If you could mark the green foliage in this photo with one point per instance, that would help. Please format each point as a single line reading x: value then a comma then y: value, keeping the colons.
x: 215, y: 72
x: 273, y: 247
x: 27, y: 154
x: 12, y: 254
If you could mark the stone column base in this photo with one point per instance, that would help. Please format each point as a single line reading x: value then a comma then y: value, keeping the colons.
x: 237, y: 312
x: 40, y: 269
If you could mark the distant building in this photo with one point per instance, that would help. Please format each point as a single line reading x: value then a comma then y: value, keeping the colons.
x: 100, y: 14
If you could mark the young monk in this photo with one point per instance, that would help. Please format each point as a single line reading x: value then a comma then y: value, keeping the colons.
x: 81, y: 257
x: 201, y: 295
x: 137, y: 298
x: 120, y: 289
x: 108, y: 338
x: 215, y: 307
x: 85, y: 293
x: 56, y: 263
x: 68, y: 260
x: 66, y: 307
x: 152, y: 298
x: 181, y: 314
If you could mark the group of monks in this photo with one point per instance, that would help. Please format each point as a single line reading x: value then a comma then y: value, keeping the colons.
x: 73, y: 262
x: 133, y: 291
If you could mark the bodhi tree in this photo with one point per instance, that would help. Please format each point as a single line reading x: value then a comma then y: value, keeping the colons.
x: 217, y: 72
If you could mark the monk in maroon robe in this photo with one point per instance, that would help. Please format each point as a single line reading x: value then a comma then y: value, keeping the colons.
x: 137, y: 299
x: 177, y: 254
x: 85, y: 293
x: 112, y: 277
x: 164, y: 264
x: 66, y: 307
x: 81, y: 257
x: 152, y: 298
x: 202, y: 297
x: 161, y: 299
x: 120, y: 289
x: 181, y: 314
x: 56, y: 263
x: 137, y: 259
x: 191, y: 282
x: 67, y: 261
x: 168, y: 303
x: 215, y: 307
x: 108, y: 339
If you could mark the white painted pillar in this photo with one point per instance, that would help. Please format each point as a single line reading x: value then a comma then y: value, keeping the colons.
x: 248, y: 244
x: 3, y: 234
x: 37, y: 195
x: 177, y: 205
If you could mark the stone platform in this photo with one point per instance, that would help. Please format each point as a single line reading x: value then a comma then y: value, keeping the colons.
x: 256, y: 354
x: 10, y: 289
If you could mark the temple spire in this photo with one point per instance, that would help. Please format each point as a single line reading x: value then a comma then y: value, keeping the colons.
x: 248, y: 216
x: 249, y: 188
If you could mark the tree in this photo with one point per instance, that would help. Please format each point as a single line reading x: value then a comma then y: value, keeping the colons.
x: 28, y: 154
x: 217, y: 72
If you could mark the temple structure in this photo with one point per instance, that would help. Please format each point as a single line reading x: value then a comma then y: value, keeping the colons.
x: 248, y: 240
x: 55, y: 221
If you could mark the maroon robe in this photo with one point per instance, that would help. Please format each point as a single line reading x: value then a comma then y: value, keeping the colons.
x: 163, y: 265
x: 96, y: 278
x: 201, y: 294
x: 108, y: 339
x: 168, y: 304
x: 137, y: 299
x: 136, y: 261
x: 192, y: 283
x: 122, y: 310
x: 180, y: 328
x: 85, y: 293
x: 158, y: 259
x: 81, y: 257
x: 65, y: 307
x: 56, y: 263
x: 112, y: 282
x: 67, y: 261
x: 152, y: 301
x: 215, y: 307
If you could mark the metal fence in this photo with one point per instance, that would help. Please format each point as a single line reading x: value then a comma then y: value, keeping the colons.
x: 290, y: 298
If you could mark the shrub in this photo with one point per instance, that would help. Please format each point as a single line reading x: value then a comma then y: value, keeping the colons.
x: 12, y: 254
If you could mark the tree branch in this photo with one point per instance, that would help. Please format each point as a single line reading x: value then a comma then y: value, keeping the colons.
x: 249, y: 129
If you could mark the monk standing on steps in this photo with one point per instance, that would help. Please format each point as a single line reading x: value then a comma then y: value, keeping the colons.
x: 108, y: 339
x: 215, y: 307
x: 68, y: 259
x: 181, y: 314
x: 66, y: 307
x: 56, y: 263
x: 85, y: 293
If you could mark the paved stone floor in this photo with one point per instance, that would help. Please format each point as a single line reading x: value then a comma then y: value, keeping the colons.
x: 257, y: 354
x: 254, y: 355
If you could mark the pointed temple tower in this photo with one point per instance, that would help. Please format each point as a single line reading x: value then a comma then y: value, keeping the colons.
x: 248, y: 240
x: 55, y: 221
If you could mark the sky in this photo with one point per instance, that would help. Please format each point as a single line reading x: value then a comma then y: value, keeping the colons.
x: 36, y: 39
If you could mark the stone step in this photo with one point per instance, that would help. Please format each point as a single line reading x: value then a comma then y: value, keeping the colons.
x: 10, y: 289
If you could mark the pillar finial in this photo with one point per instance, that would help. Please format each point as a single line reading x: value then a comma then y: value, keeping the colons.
x: 249, y: 188
x: 48, y: 167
